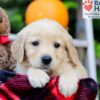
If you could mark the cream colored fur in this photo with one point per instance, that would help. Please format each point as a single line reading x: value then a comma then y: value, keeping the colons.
x: 65, y: 62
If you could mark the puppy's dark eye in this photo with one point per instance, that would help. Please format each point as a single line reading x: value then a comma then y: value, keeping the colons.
x: 56, y: 45
x: 35, y: 43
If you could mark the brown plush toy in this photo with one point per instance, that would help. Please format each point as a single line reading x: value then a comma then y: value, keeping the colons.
x: 6, y: 59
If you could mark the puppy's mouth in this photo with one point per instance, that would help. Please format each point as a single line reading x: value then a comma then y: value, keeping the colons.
x: 45, y: 67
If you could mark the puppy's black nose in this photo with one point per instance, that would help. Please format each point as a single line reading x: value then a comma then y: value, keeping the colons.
x: 46, y: 59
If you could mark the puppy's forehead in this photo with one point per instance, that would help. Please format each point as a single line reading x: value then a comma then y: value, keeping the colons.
x: 44, y: 32
x: 45, y: 36
x: 45, y: 28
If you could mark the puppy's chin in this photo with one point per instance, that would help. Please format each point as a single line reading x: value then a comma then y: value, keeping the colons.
x: 46, y: 69
x: 49, y: 71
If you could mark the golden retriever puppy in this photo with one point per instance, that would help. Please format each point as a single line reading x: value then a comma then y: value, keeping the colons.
x: 45, y: 48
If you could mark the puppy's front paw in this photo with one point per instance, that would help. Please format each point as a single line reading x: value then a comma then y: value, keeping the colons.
x: 68, y: 86
x: 37, y: 78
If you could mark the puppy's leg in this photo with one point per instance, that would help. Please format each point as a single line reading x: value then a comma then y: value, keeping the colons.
x: 37, y: 77
x: 68, y: 82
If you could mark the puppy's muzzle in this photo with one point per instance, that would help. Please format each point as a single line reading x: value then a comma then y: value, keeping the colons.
x: 46, y: 59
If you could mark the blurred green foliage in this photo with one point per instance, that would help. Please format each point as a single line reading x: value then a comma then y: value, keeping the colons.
x: 16, y: 10
x: 16, y: 20
x: 96, y: 25
x: 72, y: 9
x: 97, y: 49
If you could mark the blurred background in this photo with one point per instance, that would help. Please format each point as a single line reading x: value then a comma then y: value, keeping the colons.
x: 16, y: 10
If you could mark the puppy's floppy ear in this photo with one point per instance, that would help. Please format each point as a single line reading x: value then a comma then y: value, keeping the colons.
x: 17, y: 47
x: 72, y: 52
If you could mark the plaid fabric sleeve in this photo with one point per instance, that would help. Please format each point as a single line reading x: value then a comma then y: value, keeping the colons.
x: 16, y: 87
x: 87, y: 90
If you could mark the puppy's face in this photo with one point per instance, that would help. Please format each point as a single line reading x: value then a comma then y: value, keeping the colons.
x: 45, y: 50
x: 45, y: 44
